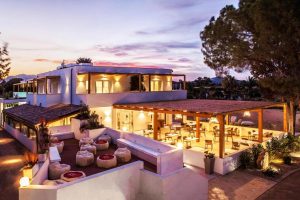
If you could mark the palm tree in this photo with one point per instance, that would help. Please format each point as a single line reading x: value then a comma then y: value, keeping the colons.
x: 83, y: 60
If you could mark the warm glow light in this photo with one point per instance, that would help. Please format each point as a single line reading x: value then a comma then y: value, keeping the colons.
x: 124, y: 128
x: 5, y: 140
x: 247, y: 114
x: 141, y: 115
x: 107, y: 119
x: 11, y: 161
x: 213, y: 120
x: 178, y: 116
x: 150, y: 113
x: 179, y: 145
x: 24, y: 181
x: 107, y: 113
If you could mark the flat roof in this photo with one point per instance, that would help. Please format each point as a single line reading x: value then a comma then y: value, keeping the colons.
x: 32, y: 115
x: 199, y: 106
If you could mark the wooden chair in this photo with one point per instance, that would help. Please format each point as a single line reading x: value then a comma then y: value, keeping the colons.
x: 209, y: 143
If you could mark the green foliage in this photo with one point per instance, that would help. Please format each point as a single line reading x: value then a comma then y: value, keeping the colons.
x: 287, y: 160
x: 271, y: 172
x: 255, y: 151
x: 43, y: 136
x: 245, y: 159
x: 84, y: 112
x: 259, y: 36
x: 83, y: 60
x: 92, y: 118
x: 4, y: 62
x: 209, y: 155
x: 280, y: 148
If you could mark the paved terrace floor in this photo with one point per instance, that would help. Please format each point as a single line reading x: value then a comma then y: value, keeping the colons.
x: 71, y: 147
x: 11, y: 161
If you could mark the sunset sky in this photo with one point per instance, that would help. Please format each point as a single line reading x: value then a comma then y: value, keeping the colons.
x: 133, y: 33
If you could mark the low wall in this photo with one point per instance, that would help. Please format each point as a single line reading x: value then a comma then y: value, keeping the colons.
x: 30, y: 144
x: 128, y: 182
x: 118, y: 183
x: 182, y: 184
x: 222, y: 165
x: 42, y: 174
x: 60, y: 129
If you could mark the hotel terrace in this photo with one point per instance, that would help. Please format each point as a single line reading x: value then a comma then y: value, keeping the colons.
x: 144, y: 110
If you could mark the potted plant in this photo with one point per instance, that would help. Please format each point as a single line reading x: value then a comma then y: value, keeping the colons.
x: 91, y: 128
x: 209, y: 162
x: 31, y: 167
x: 43, y: 140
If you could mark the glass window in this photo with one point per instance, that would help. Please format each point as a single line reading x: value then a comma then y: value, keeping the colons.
x: 102, y: 86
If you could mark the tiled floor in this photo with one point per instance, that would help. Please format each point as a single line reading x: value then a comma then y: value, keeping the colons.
x: 239, y: 186
x: 288, y: 188
x: 11, y: 161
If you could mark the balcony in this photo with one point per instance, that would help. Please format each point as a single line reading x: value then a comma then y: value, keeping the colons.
x: 101, y: 100
x: 44, y: 100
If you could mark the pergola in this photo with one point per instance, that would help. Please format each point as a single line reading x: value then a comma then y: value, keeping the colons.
x: 221, y: 109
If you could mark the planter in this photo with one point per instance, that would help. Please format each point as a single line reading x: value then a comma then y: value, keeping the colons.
x: 209, y: 165
x: 75, y: 127
x: 42, y: 157
x: 30, y: 172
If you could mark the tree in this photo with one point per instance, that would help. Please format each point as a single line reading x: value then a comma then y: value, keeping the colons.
x: 229, y: 85
x: 261, y: 36
x: 4, y: 62
x: 83, y: 60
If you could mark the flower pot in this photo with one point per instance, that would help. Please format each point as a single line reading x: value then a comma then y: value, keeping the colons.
x: 31, y: 171
x: 209, y: 165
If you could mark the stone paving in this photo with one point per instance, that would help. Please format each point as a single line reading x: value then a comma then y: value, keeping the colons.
x: 11, y: 161
x: 238, y: 185
x: 287, y: 188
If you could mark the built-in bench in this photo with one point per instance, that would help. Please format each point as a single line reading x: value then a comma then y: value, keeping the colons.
x: 165, y: 157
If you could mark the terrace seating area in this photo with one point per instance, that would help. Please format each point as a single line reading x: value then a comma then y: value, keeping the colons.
x: 81, y: 158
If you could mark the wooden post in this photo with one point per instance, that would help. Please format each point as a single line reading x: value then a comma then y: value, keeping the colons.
x: 89, y: 83
x: 227, y: 117
x: 140, y: 82
x: 285, y: 121
x: 149, y: 83
x: 221, y: 136
x: 260, y: 125
x: 155, y: 126
x: 198, y: 128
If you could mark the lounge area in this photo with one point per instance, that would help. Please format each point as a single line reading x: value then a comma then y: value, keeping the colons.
x: 203, y: 125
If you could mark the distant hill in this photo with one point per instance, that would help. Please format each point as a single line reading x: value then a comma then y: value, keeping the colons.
x: 217, y: 80
x: 22, y: 76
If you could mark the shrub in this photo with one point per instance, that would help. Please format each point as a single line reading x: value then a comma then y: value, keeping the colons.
x: 287, y: 160
x: 255, y: 152
x: 84, y: 112
x: 245, y: 159
x: 271, y: 172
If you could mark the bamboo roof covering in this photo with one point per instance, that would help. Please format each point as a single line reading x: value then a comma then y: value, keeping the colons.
x: 199, y: 106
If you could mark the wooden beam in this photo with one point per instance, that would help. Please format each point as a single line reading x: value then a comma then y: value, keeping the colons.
x: 260, y: 125
x: 155, y: 126
x: 221, y: 136
x: 285, y: 120
x: 227, y: 117
x: 173, y: 112
x: 198, y: 128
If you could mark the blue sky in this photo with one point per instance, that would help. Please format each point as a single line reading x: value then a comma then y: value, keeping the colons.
x: 163, y: 33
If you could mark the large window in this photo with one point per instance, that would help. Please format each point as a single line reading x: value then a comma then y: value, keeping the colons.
x: 102, y: 86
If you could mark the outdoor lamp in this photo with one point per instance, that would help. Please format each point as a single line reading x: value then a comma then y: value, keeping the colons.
x: 24, y: 181
x: 247, y: 114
